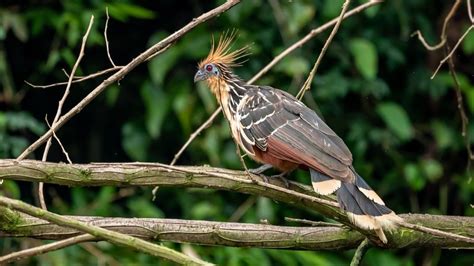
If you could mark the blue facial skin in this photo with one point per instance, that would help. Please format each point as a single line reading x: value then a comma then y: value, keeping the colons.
x: 206, y: 72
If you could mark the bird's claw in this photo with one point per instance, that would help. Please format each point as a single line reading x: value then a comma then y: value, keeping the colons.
x: 282, y: 178
x: 259, y: 172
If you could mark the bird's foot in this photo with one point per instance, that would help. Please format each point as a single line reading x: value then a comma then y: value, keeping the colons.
x: 283, y: 179
x: 259, y: 172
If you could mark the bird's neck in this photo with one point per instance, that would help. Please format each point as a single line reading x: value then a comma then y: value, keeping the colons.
x: 229, y: 91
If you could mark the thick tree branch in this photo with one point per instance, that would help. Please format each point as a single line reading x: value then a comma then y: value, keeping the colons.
x: 130, y: 174
x: 196, y: 232
x: 111, y: 236
x: 15, y: 224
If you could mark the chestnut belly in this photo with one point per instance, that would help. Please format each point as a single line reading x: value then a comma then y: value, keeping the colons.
x: 267, y: 158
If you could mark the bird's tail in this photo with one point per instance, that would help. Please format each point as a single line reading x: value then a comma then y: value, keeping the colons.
x: 363, y: 206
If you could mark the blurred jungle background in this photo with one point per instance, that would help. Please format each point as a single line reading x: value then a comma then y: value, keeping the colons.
x: 373, y: 88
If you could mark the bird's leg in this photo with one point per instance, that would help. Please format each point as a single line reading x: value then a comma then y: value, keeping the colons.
x: 282, y: 177
x: 259, y: 170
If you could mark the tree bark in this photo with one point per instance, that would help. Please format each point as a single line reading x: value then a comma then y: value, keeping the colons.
x: 212, y: 233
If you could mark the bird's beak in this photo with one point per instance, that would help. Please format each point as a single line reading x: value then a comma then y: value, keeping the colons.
x: 200, y: 75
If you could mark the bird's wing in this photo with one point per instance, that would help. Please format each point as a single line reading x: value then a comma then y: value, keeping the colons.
x: 279, y: 124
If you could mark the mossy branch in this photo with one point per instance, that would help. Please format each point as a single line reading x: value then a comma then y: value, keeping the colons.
x: 139, y: 174
x: 96, y: 231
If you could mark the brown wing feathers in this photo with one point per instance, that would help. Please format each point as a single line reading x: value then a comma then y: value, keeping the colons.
x: 274, y: 127
x: 286, y: 130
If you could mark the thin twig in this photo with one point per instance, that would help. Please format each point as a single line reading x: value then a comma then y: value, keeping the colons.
x: 60, y: 143
x: 443, y: 35
x: 311, y: 35
x: 106, y: 39
x: 309, y: 222
x: 35, y: 251
x: 469, y: 11
x: 76, y: 79
x: 111, y: 236
x: 160, y: 46
x: 462, y: 112
x: 452, y: 51
x: 309, y: 80
x: 272, y: 63
x: 60, y: 107
x: 195, y: 134
x: 360, y: 252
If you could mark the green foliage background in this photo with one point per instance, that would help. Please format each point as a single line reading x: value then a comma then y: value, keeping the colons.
x: 373, y: 88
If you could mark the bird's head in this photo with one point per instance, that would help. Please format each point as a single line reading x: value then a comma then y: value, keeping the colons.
x: 220, y: 60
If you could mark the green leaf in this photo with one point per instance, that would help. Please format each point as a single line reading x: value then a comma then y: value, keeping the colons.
x: 331, y: 85
x: 11, y: 188
x: 443, y: 135
x: 365, y: 56
x: 265, y: 209
x: 299, y: 15
x: 103, y: 199
x: 111, y: 95
x: 204, y: 210
x: 122, y: 11
x: 142, y: 207
x: 160, y: 65
x: 135, y: 141
x: 468, y: 43
x: 293, y: 66
x: 23, y: 120
x: 414, y: 177
x: 157, y: 106
x: 432, y: 169
x: 396, y: 120
x: 332, y: 9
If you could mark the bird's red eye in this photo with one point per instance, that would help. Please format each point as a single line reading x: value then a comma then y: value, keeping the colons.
x: 209, y: 68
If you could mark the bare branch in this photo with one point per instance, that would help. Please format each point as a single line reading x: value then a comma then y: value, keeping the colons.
x: 111, y: 236
x: 197, y: 232
x: 452, y: 51
x: 272, y: 63
x: 60, y: 143
x: 241, y: 234
x: 154, y: 174
x: 160, y: 46
x: 462, y: 112
x: 26, y: 253
x: 311, y: 35
x: 76, y: 79
x: 106, y: 39
x: 469, y: 11
x: 436, y: 232
x: 443, y: 35
x: 60, y: 107
x: 307, y: 84
x: 309, y: 222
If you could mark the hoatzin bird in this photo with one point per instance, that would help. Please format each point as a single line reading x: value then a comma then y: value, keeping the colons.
x: 273, y: 127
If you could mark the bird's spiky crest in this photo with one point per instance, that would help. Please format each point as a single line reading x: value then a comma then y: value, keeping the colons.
x: 222, y: 54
